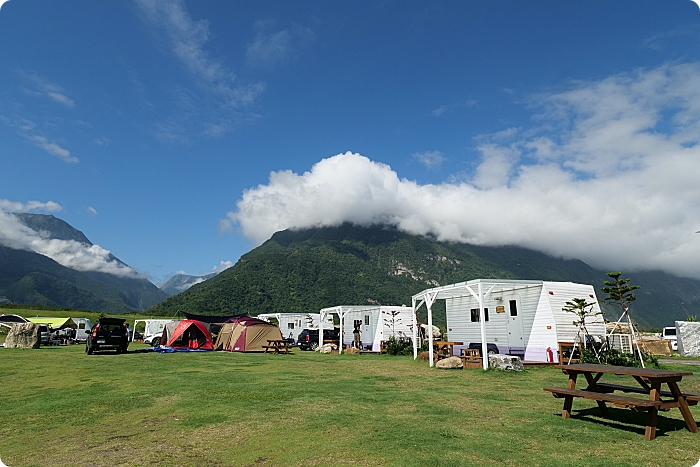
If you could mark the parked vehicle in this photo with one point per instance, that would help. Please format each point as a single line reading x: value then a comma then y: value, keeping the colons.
x: 491, y: 349
x: 152, y: 331
x: 44, y: 334
x: 84, y: 326
x: 669, y: 334
x: 308, y: 338
x: 108, y: 334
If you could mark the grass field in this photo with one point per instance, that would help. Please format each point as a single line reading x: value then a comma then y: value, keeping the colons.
x: 59, y: 406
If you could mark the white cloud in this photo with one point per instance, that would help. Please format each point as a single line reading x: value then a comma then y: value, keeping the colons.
x: 430, y: 159
x: 439, y: 111
x: 90, y: 210
x: 68, y: 253
x: 52, y: 148
x: 609, y: 175
x: 187, y: 39
x: 16, y: 206
x: 42, y: 87
x: 271, y: 47
x: 27, y: 129
x: 222, y: 266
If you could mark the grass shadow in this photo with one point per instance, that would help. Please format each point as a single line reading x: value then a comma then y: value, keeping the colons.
x: 627, y: 420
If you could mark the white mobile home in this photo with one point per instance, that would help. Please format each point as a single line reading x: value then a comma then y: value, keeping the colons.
x: 523, y: 318
x: 377, y: 323
x: 291, y: 324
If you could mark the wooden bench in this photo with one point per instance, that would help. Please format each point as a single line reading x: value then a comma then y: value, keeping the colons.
x: 471, y: 359
x: 691, y: 399
x: 638, y: 405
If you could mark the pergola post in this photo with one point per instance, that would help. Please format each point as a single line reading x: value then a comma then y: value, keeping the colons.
x: 484, y: 346
x: 340, y: 338
x: 415, y: 328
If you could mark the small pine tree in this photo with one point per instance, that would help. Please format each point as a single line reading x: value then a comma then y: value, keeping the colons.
x: 582, y: 309
x: 619, y: 291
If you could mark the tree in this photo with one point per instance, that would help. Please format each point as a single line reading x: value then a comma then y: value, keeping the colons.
x: 620, y: 291
x: 582, y: 309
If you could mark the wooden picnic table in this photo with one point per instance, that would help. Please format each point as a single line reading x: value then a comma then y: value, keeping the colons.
x: 649, y: 382
x: 444, y: 349
x: 277, y: 346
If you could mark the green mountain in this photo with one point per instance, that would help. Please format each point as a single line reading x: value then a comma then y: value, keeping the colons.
x: 304, y: 271
x: 31, y: 278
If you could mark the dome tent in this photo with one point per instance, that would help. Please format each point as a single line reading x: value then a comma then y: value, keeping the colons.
x: 188, y: 333
x: 246, y: 334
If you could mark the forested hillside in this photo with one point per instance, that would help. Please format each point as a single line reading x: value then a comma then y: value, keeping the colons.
x: 304, y: 271
x: 31, y: 278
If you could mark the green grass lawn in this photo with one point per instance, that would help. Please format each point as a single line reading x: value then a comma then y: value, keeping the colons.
x: 59, y: 406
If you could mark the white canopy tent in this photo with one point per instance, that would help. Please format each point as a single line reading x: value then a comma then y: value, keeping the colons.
x: 480, y: 289
x: 294, y: 323
x: 343, y: 310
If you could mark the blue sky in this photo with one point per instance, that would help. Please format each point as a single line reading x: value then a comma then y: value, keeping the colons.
x: 178, y: 135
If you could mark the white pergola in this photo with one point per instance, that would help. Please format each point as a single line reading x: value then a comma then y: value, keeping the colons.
x: 343, y: 310
x: 480, y: 289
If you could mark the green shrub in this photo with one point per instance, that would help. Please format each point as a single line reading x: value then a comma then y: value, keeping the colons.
x: 396, y: 346
x: 617, y: 358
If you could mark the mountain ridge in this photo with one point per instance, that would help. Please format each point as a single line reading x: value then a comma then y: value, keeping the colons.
x: 306, y: 270
x: 32, y: 278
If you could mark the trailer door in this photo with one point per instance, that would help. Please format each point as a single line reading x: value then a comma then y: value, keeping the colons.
x: 516, y: 335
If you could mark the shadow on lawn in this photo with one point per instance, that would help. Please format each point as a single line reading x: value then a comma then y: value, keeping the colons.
x: 627, y: 420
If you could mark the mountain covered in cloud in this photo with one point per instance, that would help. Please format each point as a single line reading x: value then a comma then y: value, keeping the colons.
x: 305, y: 270
x: 181, y: 282
x: 44, y: 260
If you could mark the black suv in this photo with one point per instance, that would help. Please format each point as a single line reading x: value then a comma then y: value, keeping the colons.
x: 108, y: 334
x: 308, y: 338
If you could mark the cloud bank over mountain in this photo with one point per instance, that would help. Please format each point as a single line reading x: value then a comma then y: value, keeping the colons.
x: 608, y: 172
x: 68, y: 253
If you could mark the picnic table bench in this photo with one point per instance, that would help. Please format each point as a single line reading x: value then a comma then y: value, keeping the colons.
x: 649, y: 380
x: 277, y: 346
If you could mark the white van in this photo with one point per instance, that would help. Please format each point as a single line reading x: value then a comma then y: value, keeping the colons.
x: 669, y: 334
x: 153, y: 329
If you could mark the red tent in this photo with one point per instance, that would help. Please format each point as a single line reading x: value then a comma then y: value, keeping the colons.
x: 187, y: 333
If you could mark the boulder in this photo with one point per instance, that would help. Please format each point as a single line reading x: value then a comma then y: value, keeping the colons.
x: 449, y: 363
x: 328, y: 348
x: 505, y: 362
x: 23, y: 336
x: 688, y: 338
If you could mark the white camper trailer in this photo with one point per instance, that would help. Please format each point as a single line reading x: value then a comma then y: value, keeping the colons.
x: 524, y: 318
x: 291, y: 324
x: 377, y: 323
x: 83, y: 329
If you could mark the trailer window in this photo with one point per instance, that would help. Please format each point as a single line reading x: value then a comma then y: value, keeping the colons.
x: 290, y: 325
x: 357, y: 323
x: 366, y: 320
x: 476, y: 315
x: 513, y: 308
